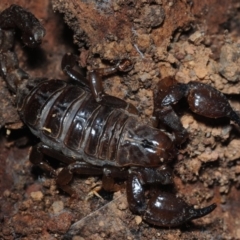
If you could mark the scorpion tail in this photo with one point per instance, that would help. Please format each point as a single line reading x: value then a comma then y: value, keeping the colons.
x: 17, y: 17
x: 32, y: 34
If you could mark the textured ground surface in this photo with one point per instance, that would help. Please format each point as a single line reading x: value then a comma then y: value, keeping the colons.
x: 185, y: 39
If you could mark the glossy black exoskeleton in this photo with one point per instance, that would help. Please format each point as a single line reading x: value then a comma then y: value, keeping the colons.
x: 97, y: 134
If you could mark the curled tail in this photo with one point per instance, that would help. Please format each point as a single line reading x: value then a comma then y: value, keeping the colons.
x: 12, y: 18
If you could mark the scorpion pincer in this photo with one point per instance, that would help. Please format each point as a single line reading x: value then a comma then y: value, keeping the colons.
x: 93, y: 133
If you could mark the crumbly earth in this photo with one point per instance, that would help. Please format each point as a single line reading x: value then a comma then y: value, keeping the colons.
x: 184, y: 39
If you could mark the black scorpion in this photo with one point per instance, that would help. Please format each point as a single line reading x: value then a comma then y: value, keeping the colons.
x: 93, y: 133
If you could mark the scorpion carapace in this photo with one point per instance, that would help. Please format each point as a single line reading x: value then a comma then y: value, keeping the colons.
x: 93, y: 133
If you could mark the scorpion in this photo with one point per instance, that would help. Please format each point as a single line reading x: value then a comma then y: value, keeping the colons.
x: 93, y: 133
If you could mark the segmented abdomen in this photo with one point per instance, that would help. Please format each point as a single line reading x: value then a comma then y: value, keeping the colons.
x: 68, y: 119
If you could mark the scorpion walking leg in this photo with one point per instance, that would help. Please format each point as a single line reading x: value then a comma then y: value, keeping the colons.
x: 163, y: 209
x: 37, y: 158
x: 110, y: 174
x: 68, y: 62
x: 79, y: 167
x: 109, y: 184
x: 63, y: 178
x: 94, y: 81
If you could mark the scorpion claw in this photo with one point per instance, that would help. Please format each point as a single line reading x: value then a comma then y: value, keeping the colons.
x: 201, y: 212
x: 168, y: 210
x: 163, y: 209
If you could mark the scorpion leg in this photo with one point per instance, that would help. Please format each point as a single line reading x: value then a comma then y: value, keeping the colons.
x: 94, y: 81
x: 68, y: 62
x: 37, y: 158
x: 163, y: 209
x: 83, y: 168
x: 109, y: 184
x: 109, y: 175
x: 63, y: 178
x: 79, y: 167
